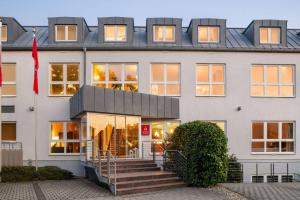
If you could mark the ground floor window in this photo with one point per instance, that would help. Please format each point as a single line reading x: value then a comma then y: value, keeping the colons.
x: 273, y: 137
x: 272, y: 178
x: 64, y: 138
x: 160, y: 131
x: 9, y: 131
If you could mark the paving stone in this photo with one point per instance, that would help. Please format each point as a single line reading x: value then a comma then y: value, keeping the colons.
x: 17, y: 191
x: 265, y: 191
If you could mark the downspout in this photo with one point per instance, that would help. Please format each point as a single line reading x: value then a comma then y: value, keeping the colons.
x: 84, y: 65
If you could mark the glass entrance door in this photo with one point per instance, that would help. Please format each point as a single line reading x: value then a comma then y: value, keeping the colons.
x: 115, y: 133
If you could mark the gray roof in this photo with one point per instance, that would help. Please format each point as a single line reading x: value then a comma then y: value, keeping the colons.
x: 235, y: 41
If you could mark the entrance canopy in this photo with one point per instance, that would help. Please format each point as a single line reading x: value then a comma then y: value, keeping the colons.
x: 105, y: 100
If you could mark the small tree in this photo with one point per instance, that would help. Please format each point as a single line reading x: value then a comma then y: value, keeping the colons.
x: 205, y: 146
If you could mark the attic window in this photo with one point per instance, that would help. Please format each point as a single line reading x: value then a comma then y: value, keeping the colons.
x: 269, y: 35
x: 4, y: 33
x: 65, y: 33
x: 115, y: 33
x: 164, y: 33
x: 208, y: 34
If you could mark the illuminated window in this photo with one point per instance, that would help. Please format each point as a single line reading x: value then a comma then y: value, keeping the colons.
x: 115, y: 33
x: 165, y: 79
x: 64, y: 138
x: 118, y: 76
x: 210, y: 80
x: 4, y: 33
x: 163, y: 33
x: 65, y: 33
x: 272, y: 80
x: 64, y: 79
x: 269, y: 35
x: 9, y: 131
x: 9, y: 87
x: 208, y: 34
x: 274, y: 137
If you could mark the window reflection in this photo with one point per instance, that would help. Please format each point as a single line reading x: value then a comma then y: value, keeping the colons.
x: 208, y: 34
x: 4, y: 33
x: 269, y: 35
x: 164, y: 33
x: 115, y: 33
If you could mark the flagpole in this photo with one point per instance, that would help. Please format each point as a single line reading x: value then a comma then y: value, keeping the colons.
x: 1, y: 100
x: 35, y: 121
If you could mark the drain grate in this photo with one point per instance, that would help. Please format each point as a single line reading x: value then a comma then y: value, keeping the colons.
x: 38, y: 192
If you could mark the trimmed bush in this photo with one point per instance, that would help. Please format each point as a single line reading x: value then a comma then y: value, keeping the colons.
x: 28, y: 173
x: 205, y: 146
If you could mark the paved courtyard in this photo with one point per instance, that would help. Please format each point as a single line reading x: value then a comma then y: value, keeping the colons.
x: 82, y: 189
x: 266, y: 191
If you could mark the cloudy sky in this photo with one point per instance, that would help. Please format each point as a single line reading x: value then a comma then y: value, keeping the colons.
x: 238, y: 13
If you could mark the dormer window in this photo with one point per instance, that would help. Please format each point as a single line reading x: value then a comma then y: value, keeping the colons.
x: 115, y: 33
x: 164, y: 33
x: 65, y: 33
x: 4, y: 33
x: 208, y: 34
x: 269, y: 35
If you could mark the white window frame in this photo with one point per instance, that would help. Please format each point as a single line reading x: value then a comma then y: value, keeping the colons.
x: 164, y: 33
x: 210, y: 82
x: 65, y: 140
x: 64, y: 82
x: 279, y: 83
x: 279, y: 140
x: 209, y: 35
x: 116, y: 33
x: 5, y: 39
x: 66, y: 33
x: 165, y: 82
x: 270, y: 29
x: 107, y: 81
x: 10, y: 82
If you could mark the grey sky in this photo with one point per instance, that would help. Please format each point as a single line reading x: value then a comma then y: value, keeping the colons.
x: 238, y: 13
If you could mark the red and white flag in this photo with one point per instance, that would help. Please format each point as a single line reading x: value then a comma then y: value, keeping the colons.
x: 36, y: 65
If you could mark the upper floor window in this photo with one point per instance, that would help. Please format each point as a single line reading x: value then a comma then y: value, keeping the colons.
x: 9, y: 87
x: 64, y: 79
x: 269, y: 35
x: 64, y: 138
x: 4, y: 33
x: 118, y: 76
x: 272, y: 80
x: 210, y: 80
x: 9, y: 131
x: 165, y: 79
x: 164, y: 33
x: 272, y: 137
x: 115, y: 33
x: 209, y: 34
x: 65, y: 33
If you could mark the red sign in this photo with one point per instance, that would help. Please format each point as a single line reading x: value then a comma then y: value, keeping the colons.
x: 145, y: 129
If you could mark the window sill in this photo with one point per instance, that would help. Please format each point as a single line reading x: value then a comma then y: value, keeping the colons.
x: 273, y: 153
x: 64, y: 154
x: 60, y: 95
x: 210, y: 95
x: 8, y: 96
x: 272, y: 97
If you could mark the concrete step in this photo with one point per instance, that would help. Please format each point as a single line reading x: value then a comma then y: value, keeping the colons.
x: 129, y: 161
x: 140, y: 169
x: 130, y: 165
x: 130, y: 184
x: 146, y: 175
x: 151, y: 188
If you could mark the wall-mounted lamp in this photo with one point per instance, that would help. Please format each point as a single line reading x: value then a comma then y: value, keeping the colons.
x: 31, y: 108
x: 239, y: 108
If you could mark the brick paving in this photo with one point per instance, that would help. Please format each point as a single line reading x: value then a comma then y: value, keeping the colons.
x: 266, y: 191
x: 82, y: 189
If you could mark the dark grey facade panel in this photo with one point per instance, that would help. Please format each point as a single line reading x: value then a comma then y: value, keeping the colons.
x: 14, y: 29
x: 195, y: 23
x: 103, y: 100
x: 150, y: 22
x: 252, y: 32
x: 82, y: 28
x: 129, y: 22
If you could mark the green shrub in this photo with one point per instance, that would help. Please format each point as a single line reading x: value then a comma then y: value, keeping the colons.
x: 28, y: 173
x: 205, y: 146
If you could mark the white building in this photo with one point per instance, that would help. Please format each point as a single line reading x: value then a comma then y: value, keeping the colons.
x: 244, y: 79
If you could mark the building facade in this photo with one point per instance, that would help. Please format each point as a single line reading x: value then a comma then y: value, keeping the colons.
x: 243, y: 79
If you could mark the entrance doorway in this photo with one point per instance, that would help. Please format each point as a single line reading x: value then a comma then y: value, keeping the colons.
x: 118, y: 134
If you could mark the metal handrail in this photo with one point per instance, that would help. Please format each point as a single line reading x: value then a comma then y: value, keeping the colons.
x: 179, y: 161
x: 152, y: 147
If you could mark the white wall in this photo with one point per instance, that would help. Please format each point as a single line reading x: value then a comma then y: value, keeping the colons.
x: 191, y: 107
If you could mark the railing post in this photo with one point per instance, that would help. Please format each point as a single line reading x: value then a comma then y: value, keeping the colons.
x: 256, y: 172
x: 287, y: 172
x: 115, y: 177
x: 143, y: 150
x: 100, y: 166
x: 154, y: 152
x: 242, y: 173
x: 108, y: 166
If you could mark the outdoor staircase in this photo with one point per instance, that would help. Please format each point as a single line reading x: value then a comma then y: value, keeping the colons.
x: 140, y: 176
